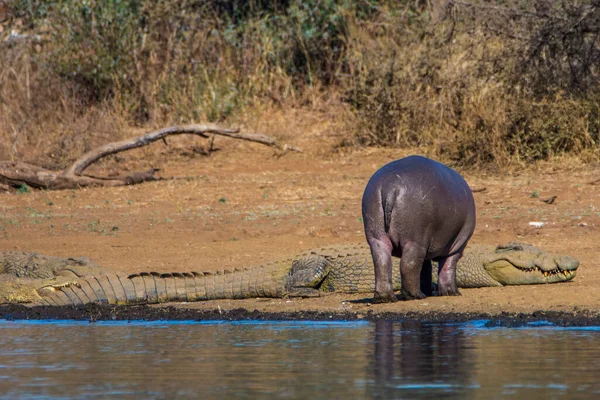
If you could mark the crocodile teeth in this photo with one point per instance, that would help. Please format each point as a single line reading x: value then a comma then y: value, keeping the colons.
x: 60, y: 286
x: 548, y: 273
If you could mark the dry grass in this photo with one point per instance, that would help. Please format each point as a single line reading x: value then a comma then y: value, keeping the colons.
x: 42, y: 118
x: 449, y: 80
x: 459, y: 87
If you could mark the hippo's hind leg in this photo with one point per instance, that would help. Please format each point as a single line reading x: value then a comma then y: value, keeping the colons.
x: 411, y: 266
x: 426, y: 278
x: 382, y: 260
x: 447, y: 275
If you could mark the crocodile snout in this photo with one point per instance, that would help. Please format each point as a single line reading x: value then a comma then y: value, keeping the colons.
x: 567, y: 263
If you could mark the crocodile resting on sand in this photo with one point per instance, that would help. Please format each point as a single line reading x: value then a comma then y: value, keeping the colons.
x: 339, y: 268
x: 21, y: 272
x: 38, y: 266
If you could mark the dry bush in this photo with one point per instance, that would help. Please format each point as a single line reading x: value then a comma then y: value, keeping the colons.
x: 194, y: 60
x: 473, y: 82
x: 42, y: 119
x: 154, y: 63
x: 482, y: 84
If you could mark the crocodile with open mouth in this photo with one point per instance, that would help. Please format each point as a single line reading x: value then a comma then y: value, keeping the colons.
x: 340, y: 268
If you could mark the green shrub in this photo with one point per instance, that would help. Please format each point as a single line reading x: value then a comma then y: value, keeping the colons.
x: 97, y: 43
x: 148, y: 52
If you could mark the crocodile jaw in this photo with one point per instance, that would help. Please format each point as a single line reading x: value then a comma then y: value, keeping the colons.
x: 506, y: 273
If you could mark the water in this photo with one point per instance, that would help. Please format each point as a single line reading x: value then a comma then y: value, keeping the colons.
x: 296, y: 360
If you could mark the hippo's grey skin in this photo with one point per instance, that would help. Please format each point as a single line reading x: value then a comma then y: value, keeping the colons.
x: 420, y: 210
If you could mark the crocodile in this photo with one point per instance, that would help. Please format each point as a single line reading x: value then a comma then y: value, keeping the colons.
x: 40, y: 266
x: 339, y: 268
x: 18, y: 267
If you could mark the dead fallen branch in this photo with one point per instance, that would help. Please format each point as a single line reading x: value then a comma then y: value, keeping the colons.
x: 18, y: 174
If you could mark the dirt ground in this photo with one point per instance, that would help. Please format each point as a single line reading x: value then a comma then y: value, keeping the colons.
x: 242, y: 206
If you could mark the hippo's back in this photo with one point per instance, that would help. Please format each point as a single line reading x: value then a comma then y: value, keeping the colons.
x: 419, y: 200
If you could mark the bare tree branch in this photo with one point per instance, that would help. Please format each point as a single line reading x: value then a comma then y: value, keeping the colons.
x: 17, y: 174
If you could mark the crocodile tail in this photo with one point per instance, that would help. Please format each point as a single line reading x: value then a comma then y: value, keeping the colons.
x: 155, y: 287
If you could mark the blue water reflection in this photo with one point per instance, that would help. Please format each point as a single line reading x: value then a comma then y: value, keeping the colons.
x: 297, y: 359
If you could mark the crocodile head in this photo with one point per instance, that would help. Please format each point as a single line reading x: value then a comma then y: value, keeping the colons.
x: 521, y: 264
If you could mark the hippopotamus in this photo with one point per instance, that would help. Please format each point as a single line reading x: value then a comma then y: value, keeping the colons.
x: 422, y: 211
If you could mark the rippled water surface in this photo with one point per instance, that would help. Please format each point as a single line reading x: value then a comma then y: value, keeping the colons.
x: 296, y: 360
